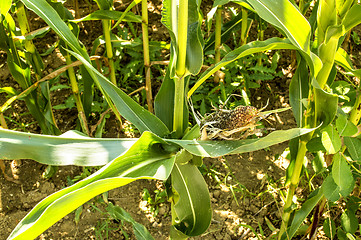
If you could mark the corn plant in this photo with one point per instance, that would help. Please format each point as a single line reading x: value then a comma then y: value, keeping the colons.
x: 22, y: 58
x: 168, y: 149
x: 314, y: 99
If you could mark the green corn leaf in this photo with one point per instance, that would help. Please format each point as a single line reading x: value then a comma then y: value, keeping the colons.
x: 39, y: 33
x: 130, y: 6
x: 5, y: 7
x: 227, y: 29
x: 51, y: 17
x: 22, y: 74
x: 240, y: 2
x: 352, y: 18
x: 211, y: 148
x: 331, y: 139
x: 299, y: 91
x: 87, y: 96
x: 71, y: 148
x: 10, y: 91
x: 127, y: 107
x: 117, y: 99
x: 109, y: 15
x: 144, y: 160
x: 194, y: 55
x: 254, y: 47
x: 104, y: 4
x: 97, y: 151
x: 164, y: 101
x: 191, y: 202
x: 353, y: 147
x: 326, y: 104
x: 342, y: 175
x: 343, y: 59
x: 302, y: 214
x: 285, y: 16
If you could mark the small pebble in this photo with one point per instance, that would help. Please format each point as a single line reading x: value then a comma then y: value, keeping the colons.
x: 217, y: 193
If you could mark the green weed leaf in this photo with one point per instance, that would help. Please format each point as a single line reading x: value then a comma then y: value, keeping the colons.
x: 349, y: 221
x: 330, y: 189
x: 354, y: 147
x: 333, y: 191
x: 331, y: 139
x: 329, y: 227
x: 342, y: 175
x: 140, y: 231
x: 345, y: 127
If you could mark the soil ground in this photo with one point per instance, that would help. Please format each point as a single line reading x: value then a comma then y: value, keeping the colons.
x: 244, y: 189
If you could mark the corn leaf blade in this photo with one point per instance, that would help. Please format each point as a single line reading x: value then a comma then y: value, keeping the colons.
x: 109, y: 15
x: 285, y: 16
x: 254, y: 47
x: 192, y: 204
x: 302, y: 213
x: 144, y: 160
x: 70, y: 148
x: 125, y: 105
x: 211, y: 148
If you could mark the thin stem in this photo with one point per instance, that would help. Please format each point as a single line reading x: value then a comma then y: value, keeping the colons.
x: 244, y: 29
x: 217, y: 41
x: 260, y: 38
x: 29, y: 45
x: 76, y: 6
x: 75, y: 89
x: 148, y: 83
x: 109, y: 48
x: 293, y: 185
